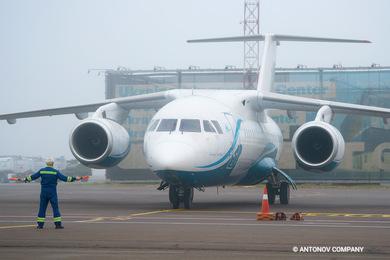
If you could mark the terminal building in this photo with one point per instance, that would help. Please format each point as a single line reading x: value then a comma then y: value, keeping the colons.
x: 367, y: 155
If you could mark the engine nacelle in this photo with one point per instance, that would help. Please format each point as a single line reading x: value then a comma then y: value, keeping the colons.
x: 318, y: 145
x: 99, y: 143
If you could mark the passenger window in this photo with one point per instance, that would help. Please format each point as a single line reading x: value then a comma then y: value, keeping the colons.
x: 207, y: 127
x: 167, y: 125
x: 217, y: 126
x: 190, y: 125
x: 153, y: 125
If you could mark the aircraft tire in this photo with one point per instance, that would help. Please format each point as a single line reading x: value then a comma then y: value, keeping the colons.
x: 188, y: 197
x: 271, y: 193
x: 174, y: 197
x: 284, y: 193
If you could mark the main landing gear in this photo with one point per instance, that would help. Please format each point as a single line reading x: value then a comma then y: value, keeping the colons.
x: 280, y: 188
x: 275, y: 186
x: 178, y: 194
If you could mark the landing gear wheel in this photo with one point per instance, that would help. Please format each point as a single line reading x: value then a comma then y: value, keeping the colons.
x: 174, y: 196
x: 271, y: 193
x: 284, y: 193
x: 188, y: 197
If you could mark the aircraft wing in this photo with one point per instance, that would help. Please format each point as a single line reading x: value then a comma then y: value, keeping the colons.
x: 152, y: 100
x: 269, y: 100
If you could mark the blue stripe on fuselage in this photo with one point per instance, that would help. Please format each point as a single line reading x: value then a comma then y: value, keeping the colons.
x: 230, y: 151
x: 218, y: 176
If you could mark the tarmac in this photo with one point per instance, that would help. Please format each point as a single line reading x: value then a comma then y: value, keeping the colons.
x: 134, y: 221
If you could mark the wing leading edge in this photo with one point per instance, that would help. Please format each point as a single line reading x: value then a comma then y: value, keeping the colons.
x: 269, y: 100
x: 144, y: 101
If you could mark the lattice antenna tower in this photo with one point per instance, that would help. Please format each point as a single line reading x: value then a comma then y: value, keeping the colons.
x: 251, y: 49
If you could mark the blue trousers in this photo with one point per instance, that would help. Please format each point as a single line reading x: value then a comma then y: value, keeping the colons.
x: 48, y: 195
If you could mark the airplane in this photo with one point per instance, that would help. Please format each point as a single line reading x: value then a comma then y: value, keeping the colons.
x: 203, y: 138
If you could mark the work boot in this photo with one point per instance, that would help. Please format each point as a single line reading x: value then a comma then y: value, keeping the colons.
x: 40, y: 225
x: 58, y: 225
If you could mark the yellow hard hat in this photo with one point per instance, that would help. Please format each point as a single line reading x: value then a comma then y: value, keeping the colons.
x: 49, y: 162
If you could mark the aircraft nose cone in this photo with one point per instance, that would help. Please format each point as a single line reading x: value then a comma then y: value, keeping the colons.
x: 172, y: 156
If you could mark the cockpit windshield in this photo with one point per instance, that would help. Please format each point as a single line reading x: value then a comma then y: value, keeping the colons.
x: 167, y: 125
x: 217, y: 126
x: 207, y: 127
x: 190, y: 125
x: 186, y: 125
x: 153, y: 125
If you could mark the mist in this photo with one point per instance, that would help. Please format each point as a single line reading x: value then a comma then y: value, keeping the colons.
x: 48, y: 47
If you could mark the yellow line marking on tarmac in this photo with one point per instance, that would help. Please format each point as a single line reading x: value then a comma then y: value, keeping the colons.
x: 66, y: 216
x: 128, y: 217
x: 155, y: 212
x: 288, y: 224
x: 348, y: 215
x: 220, y: 211
x: 20, y: 226
x: 308, y: 214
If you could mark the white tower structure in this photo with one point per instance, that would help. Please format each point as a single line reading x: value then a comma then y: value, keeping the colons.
x: 251, y: 49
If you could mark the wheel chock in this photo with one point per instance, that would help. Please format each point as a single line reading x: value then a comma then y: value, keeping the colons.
x: 297, y: 216
x: 280, y: 216
x: 265, y: 216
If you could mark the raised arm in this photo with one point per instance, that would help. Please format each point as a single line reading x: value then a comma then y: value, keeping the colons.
x: 32, y: 177
x: 66, y: 178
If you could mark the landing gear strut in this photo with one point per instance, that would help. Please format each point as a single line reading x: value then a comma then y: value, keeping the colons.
x: 178, y: 194
x: 284, y: 193
x: 174, y: 198
x: 277, y: 187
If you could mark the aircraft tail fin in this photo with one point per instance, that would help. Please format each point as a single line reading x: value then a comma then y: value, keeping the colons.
x: 267, y: 69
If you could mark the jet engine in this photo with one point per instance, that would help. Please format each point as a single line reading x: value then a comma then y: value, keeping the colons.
x: 99, y: 143
x: 318, y: 145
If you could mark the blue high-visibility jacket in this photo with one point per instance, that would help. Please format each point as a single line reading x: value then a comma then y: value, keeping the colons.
x: 49, y: 177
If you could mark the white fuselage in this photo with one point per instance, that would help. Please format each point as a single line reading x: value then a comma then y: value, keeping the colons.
x: 209, y: 139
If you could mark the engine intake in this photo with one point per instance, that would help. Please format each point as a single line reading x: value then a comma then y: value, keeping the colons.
x: 99, y: 143
x: 318, y: 145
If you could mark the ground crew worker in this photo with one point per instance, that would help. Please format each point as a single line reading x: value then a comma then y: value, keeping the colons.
x: 49, y: 177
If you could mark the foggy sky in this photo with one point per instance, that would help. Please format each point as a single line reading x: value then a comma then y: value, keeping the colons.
x: 47, y: 47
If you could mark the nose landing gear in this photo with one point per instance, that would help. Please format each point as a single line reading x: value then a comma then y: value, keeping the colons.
x: 178, y: 194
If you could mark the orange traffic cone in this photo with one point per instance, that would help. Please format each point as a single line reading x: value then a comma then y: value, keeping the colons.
x: 265, y: 214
